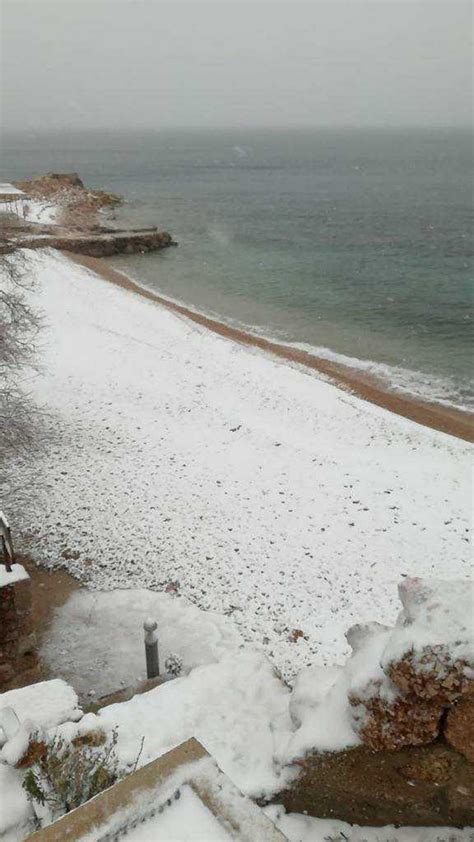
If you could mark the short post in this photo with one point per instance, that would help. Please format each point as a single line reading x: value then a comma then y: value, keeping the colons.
x: 151, y: 649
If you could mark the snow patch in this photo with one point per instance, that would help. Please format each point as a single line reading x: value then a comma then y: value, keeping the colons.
x: 16, y: 574
x: 96, y: 638
x: 42, y: 212
x: 299, y: 828
x: 47, y: 703
x: 435, y: 613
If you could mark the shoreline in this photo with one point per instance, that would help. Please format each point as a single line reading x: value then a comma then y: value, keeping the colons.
x: 450, y: 421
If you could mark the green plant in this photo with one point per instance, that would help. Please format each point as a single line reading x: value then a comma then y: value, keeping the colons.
x: 68, y: 774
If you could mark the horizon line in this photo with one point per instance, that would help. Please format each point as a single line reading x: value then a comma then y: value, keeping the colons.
x: 242, y: 127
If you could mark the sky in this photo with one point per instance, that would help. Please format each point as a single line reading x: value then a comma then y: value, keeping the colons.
x: 233, y: 63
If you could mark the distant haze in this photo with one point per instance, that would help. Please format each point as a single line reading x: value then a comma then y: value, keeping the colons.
x: 151, y: 64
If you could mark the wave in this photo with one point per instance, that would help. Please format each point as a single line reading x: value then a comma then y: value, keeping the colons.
x: 411, y: 382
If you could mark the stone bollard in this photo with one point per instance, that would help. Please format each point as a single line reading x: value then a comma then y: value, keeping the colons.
x: 151, y: 648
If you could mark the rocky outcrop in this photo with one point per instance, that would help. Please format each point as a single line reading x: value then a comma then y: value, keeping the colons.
x: 75, y: 226
x: 68, y: 190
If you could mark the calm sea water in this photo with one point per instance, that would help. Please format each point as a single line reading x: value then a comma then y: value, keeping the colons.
x: 354, y: 244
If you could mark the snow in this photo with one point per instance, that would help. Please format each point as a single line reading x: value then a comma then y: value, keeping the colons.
x: 16, y: 747
x: 16, y: 574
x: 299, y: 828
x: 186, y: 820
x: 96, y: 640
x: 268, y: 494
x: 40, y: 211
x: 47, y: 703
x: 9, y: 724
x: 43, y: 212
x: 435, y: 613
x: 207, y: 785
x: 237, y: 708
x: 15, y: 809
x: 321, y: 711
x: 7, y: 189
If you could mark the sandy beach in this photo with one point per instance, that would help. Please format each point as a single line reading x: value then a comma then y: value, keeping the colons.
x: 180, y: 459
x: 446, y: 419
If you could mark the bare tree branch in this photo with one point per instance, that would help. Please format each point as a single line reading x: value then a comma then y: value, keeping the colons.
x: 19, y: 326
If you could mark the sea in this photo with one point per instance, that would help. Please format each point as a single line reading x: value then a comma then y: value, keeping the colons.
x: 352, y: 244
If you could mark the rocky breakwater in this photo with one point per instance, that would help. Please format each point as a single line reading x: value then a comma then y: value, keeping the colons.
x: 101, y: 243
x: 388, y: 738
x: 76, y: 204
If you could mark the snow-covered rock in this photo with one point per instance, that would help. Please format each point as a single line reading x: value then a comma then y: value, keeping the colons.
x: 47, y: 703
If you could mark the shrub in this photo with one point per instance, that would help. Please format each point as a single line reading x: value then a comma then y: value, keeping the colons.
x: 68, y: 774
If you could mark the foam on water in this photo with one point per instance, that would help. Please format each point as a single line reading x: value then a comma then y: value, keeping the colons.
x: 416, y: 384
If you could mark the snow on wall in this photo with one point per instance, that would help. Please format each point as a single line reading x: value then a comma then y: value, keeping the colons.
x: 16, y: 574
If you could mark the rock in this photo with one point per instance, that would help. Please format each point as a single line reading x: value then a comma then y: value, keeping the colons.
x: 70, y: 179
x: 70, y: 554
x: 459, y: 727
x: 432, y: 675
x: 381, y: 716
x: 68, y: 191
x: 295, y: 635
x: 428, y: 785
x: 395, y: 722
x: 430, y: 653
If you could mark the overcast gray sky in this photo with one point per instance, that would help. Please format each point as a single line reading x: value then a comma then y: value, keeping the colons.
x: 147, y: 63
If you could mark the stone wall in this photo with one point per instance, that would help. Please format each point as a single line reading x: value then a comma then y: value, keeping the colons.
x: 17, y: 638
x: 420, y: 785
x: 100, y: 244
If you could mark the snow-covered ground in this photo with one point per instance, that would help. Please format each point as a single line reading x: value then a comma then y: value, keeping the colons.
x: 96, y: 638
x: 299, y: 828
x: 43, y: 211
x: 238, y: 710
x: 264, y: 492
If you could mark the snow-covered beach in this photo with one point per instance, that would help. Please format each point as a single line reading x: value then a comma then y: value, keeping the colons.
x: 254, y: 488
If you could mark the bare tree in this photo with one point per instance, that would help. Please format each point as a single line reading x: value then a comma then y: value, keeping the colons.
x: 19, y: 326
